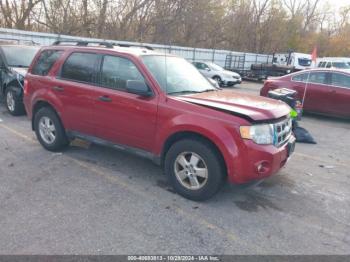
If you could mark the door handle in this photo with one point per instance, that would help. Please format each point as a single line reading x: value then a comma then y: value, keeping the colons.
x: 105, y: 99
x: 58, y: 88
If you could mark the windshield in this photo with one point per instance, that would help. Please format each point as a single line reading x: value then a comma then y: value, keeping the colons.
x: 176, y: 75
x: 215, y: 67
x: 304, y: 61
x: 342, y: 65
x: 19, y: 56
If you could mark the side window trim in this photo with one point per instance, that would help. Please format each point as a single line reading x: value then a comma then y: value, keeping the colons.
x: 99, y: 74
x: 299, y: 81
x: 96, y: 68
x: 338, y: 86
x: 58, y: 51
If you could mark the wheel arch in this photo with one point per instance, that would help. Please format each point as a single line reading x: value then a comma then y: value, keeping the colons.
x: 216, y: 76
x: 13, y: 83
x: 39, y: 105
x: 180, y: 135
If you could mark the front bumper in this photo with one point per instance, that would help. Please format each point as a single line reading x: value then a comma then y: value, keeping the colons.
x: 256, y: 162
x: 231, y: 81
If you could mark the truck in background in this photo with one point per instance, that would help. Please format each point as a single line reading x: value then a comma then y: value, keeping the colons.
x: 278, y: 64
x: 334, y: 62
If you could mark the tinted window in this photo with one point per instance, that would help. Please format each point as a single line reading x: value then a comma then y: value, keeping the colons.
x: 341, y: 65
x: 318, y: 78
x: 300, y: 78
x: 329, y: 65
x: 116, y: 71
x: 201, y: 66
x: 304, y: 61
x: 322, y: 64
x: 19, y: 56
x: 80, y: 67
x: 340, y: 80
x: 45, y: 61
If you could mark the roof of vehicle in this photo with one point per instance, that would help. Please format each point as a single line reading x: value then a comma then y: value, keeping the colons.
x: 334, y: 59
x: 21, y: 45
x: 347, y: 71
x: 134, y: 50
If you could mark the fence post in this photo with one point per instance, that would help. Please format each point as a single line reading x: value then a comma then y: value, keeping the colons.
x: 194, y: 55
x: 213, y: 57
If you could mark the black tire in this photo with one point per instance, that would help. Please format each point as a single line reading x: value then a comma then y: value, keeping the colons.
x: 212, y: 159
x: 16, y: 108
x: 218, y: 80
x: 61, y: 141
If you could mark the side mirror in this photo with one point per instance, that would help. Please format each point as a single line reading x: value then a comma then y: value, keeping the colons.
x: 138, y: 87
x: 208, y: 69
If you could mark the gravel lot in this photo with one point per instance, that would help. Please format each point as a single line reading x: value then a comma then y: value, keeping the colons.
x: 99, y: 201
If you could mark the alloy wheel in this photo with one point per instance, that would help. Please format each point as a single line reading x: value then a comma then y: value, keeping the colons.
x: 191, y: 170
x: 47, y: 130
x: 10, y: 101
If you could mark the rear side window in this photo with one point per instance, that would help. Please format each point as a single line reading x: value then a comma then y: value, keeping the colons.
x: 340, y: 80
x: 45, y: 62
x: 300, y: 78
x: 80, y: 67
x: 318, y: 78
x: 116, y: 71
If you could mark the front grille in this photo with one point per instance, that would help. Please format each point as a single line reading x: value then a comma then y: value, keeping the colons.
x: 282, y: 131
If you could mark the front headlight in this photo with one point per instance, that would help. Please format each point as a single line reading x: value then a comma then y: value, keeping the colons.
x: 260, y: 134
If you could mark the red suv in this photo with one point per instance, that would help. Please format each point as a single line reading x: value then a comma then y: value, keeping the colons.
x: 160, y: 107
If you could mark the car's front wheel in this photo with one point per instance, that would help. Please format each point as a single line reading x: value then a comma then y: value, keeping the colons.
x: 194, y: 169
x: 49, y: 130
x: 13, y: 102
x: 217, y: 80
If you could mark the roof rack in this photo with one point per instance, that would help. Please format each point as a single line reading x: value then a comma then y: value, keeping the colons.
x: 83, y: 43
x: 17, y: 41
x: 98, y: 43
x: 135, y: 45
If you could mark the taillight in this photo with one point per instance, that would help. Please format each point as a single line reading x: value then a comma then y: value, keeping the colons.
x: 25, y: 86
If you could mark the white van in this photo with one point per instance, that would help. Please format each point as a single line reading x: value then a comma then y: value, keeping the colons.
x: 334, y: 62
x: 299, y: 61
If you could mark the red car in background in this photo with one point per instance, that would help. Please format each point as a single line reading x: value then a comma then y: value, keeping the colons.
x: 327, y: 91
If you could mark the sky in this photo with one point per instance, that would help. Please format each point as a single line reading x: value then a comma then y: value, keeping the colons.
x: 336, y: 4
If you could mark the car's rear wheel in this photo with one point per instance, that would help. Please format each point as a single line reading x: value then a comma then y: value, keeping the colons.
x: 49, y: 130
x: 194, y: 169
x: 13, y: 102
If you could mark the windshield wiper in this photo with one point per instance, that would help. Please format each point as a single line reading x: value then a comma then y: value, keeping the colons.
x: 184, y: 92
x: 22, y: 66
x: 209, y: 90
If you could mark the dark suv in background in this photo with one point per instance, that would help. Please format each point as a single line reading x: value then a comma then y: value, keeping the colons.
x: 15, y: 58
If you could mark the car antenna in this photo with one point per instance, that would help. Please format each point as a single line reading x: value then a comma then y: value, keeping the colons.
x: 306, y: 86
x: 166, y: 75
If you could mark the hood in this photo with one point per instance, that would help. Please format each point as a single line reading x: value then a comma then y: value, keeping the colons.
x: 251, y: 107
x: 20, y: 70
x: 230, y: 73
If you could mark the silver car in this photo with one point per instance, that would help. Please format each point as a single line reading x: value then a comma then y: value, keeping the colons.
x: 220, y: 75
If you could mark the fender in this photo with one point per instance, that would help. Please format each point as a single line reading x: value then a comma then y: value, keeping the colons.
x: 223, y: 136
x: 18, y: 87
x: 45, y: 96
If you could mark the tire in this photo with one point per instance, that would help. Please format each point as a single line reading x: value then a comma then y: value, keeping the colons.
x: 13, y: 101
x: 217, y: 79
x: 208, y: 157
x: 52, y: 124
